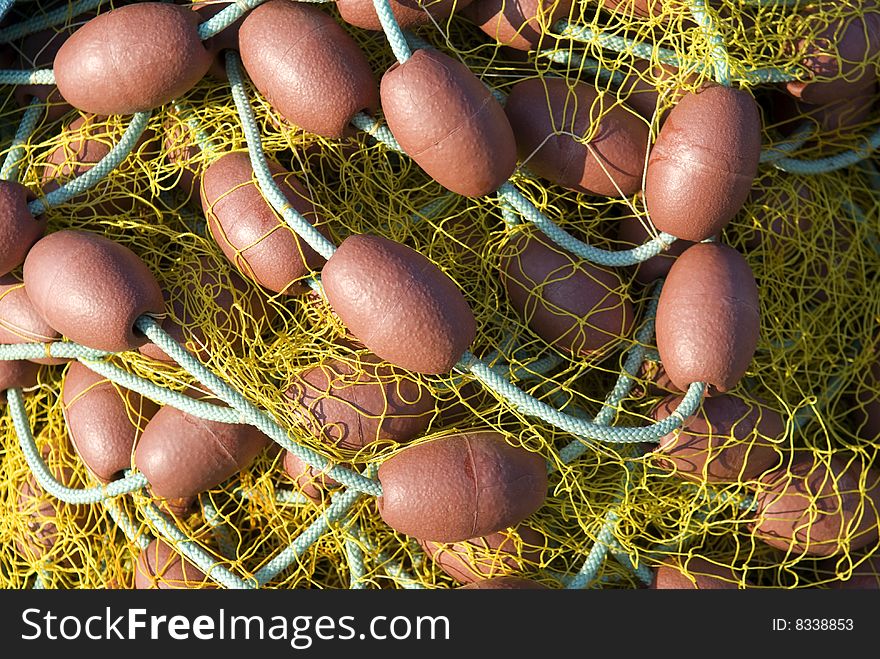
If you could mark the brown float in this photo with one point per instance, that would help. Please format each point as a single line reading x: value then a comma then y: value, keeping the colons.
x: 182, y: 455
x: 447, y: 121
x: 727, y: 440
x: 696, y: 574
x: 225, y: 309
x: 518, y: 23
x: 551, y: 119
x: 104, y: 420
x: 460, y: 486
x: 817, y: 508
x: 700, y: 172
x: 160, y: 566
x: 570, y: 303
x: 91, y: 289
x: 407, y: 13
x: 504, y: 583
x: 353, y: 404
x: 633, y: 233
x: 19, y: 230
x: 131, y: 59
x: 20, y: 322
x: 399, y: 304
x: 708, y: 318
x: 494, y: 555
x: 308, y: 68
x: 252, y: 236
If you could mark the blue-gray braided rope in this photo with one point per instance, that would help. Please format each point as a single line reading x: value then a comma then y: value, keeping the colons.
x: 778, y: 152
x: 415, y: 42
x: 705, y: 490
x: 207, y: 29
x: 531, y: 406
x: 590, y: 568
x: 584, y: 34
x: 267, y: 184
x: 394, y: 569
x: 642, y: 571
x: 35, y: 77
x: 375, y: 129
x: 192, y: 550
x: 136, y: 383
x: 430, y: 210
x: 163, y: 396
x: 622, y: 387
x: 535, y: 369
x: 283, y: 497
x: 341, y: 502
x: 250, y: 413
x: 605, y: 540
x: 395, y: 36
x: 44, y: 476
x: 831, y: 163
x: 218, y: 526
x: 58, y: 349
x: 505, y: 369
x: 203, y: 141
x: 720, y: 56
x: 584, y: 64
x: 55, y: 17
x: 96, y: 174
x: 5, y: 6
x: 354, y: 555
x: 226, y: 17
x: 125, y: 524
x: 508, y: 213
x: 577, y: 247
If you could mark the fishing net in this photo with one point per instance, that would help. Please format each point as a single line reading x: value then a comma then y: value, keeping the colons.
x: 613, y: 512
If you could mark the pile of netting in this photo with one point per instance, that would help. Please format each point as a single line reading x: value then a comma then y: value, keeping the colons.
x: 269, y: 476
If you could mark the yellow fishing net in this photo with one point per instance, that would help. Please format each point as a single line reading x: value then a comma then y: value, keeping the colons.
x: 811, y: 240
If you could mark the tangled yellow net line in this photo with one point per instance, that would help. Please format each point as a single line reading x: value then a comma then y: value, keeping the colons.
x: 811, y: 239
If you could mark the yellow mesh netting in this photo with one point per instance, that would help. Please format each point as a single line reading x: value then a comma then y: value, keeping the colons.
x: 811, y: 240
